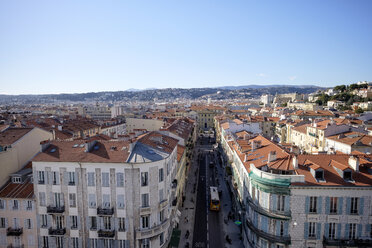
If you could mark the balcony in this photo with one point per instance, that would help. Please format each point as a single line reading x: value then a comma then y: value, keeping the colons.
x: 57, y: 231
x: 106, y: 233
x: 14, y: 231
x: 55, y: 210
x: 105, y: 211
x: 347, y: 243
x: 284, y: 215
x: 163, y: 204
x: 271, y: 237
x: 153, y: 231
x: 15, y: 246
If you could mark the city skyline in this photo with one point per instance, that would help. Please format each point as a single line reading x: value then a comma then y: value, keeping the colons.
x: 89, y: 46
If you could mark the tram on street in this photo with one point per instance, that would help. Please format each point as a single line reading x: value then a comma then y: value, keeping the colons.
x: 215, y: 199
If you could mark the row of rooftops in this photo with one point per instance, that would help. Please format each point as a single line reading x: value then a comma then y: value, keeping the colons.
x: 322, y: 169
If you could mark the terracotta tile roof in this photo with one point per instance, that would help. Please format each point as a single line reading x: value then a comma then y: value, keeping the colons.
x: 237, y: 121
x: 301, y: 129
x: 180, y: 152
x: 181, y: 128
x: 18, y: 190
x: 352, y: 138
x: 74, y: 151
x: 157, y: 140
x: 11, y: 135
x: 225, y: 125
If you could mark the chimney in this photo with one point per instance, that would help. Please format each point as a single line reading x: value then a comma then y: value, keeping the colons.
x: 295, y: 162
x: 59, y: 127
x: 89, y: 145
x: 271, y: 156
x: 44, y: 145
x: 245, y: 157
x: 254, y: 145
x: 354, y: 163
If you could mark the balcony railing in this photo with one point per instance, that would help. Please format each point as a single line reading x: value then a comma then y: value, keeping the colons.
x: 55, y: 210
x: 271, y: 237
x: 15, y: 246
x: 153, y: 231
x: 106, y: 233
x: 57, y: 231
x: 286, y: 215
x: 347, y: 243
x: 14, y: 231
x: 105, y: 211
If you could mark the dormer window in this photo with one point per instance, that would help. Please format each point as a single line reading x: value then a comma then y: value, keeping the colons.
x: 319, y: 175
x: 347, y: 176
x: 16, y: 180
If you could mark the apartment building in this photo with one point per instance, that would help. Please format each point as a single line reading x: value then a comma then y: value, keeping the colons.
x: 17, y: 147
x: 148, y: 124
x: 17, y: 211
x: 99, y: 112
x: 288, y: 200
x: 106, y: 193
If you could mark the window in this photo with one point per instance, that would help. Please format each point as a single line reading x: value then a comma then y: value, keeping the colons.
x: 281, y: 228
x: 28, y: 224
x: 108, y: 243
x: 44, y: 220
x: 2, y: 222
x: 352, y: 231
x: 75, y: 242
x: 161, y: 216
x: 120, y: 202
x: 145, y: 200
x: 332, y: 231
x: 120, y: 180
x: 121, y: 224
x: 91, y: 179
x: 2, y: 204
x: 15, y: 205
x: 333, y: 205
x: 72, y: 199
x: 58, y: 199
x: 347, y: 175
x: 319, y: 175
x: 161, y: 238
x: 280, y: 203
x: 71, y: 178
x: 354, y: 205
x: 41, y: 178
x: 161, y: 175
x: 121, y: 244
x: 92, y: 200
x: 59, y: 221
x: 145, y: 243
x: 44, y: 242
x: 16, y: 180
x: 42, y: 199
x: 144, y: 178
x: 312, y: 229
x: 93, y: 222
x: 74, y: 220
x: 105, y: 179
x: 29, y: 205
x: 59, y: 242
x: 106, y: 201
x: 93, y: 243
x: 263, y: 243
x: 107, y: 223
x: 55, y: 175
x: 313, y: 203
x: 145, y: 221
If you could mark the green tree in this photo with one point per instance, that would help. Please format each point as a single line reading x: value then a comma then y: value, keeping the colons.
x: 341, y: 88
x: 359, y: 110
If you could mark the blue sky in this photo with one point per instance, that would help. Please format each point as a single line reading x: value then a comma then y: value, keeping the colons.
x: 80, y: 46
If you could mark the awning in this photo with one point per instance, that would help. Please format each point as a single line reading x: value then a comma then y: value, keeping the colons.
x: 175, y: 238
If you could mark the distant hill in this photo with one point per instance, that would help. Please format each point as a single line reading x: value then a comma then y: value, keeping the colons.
x: 256, y: 86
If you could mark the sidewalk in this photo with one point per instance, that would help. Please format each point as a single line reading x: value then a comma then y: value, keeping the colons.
x: 188, y: 208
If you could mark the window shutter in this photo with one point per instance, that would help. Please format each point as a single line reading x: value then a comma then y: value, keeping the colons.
x: 348, y: 205
x: 326, y: 230
x: 327, y: 205
x: 340, y: 203
x: 338, y: 234
x: 274, y: 201
x: 65, y: 175
x: 368, y: 229
x: 76, y: 175
x: 286, y: 226
x: 80, y: 242
x: 127, y: 224
x: 359, y: 231
x: 116, y: 223
x: 25, y: 223
x: 287, y: 203
x: 346, y: 230
x: 277, y: 227
x: 361, y: 205
x: 306, y: 230
x: 319, y: 207
x: 68, y: 222
x: 38, y: 221
x: 79, y: 222
x: 49, y: 217
x: 264, y: 223
x: 307, y: 204
x: 318, y: 229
